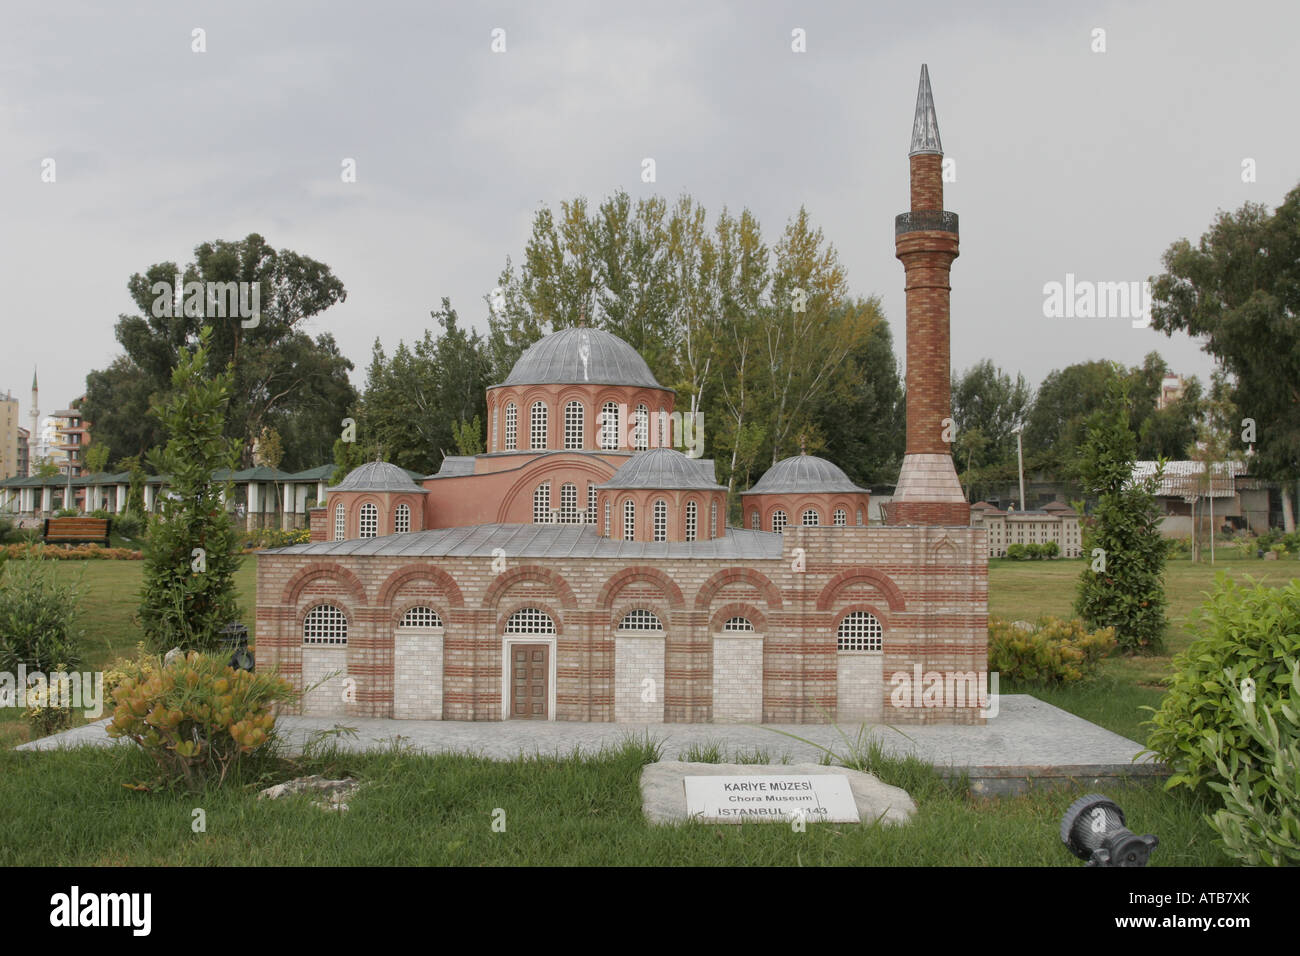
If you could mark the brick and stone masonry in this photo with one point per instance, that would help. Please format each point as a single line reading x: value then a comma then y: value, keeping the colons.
x: 928, y: 491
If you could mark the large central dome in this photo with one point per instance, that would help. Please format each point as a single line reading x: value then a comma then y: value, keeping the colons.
x: 581, y: 355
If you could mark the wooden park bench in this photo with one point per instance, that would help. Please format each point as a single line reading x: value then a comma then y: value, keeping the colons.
x: 77, y: 530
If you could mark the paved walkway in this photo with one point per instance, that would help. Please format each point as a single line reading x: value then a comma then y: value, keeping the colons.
x: 1027, y: 739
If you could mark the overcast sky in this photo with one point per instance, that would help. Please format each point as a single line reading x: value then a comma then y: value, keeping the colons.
x: 1066, y: 160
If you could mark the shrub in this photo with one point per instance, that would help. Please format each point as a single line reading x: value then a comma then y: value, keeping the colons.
x: 101, y: 513
x: 66, y: 513
x: 1053, y: 652
x: 1017, y: 552
x: 68, y: 552
x: 38, y: 617
x: 8, y: 529
x: 1033, y: 551
x: 128, y: 525
x: 1260, y: 823
x: 1051, y: 550
x: 1247, y: 638
x: 275, y: 538
x: 199, y: 718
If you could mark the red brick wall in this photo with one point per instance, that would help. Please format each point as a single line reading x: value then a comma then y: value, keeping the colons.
x: 318, y: 521
x: 928, y: 586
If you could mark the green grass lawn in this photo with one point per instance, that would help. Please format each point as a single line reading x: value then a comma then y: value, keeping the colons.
x: 431, y: 810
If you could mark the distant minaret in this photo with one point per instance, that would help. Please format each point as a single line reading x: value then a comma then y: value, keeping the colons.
x: 925, y: 239
x: 36, y: 418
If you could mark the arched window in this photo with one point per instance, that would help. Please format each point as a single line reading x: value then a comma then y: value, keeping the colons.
x: 661, y: 520
x: 738, y: 624
x: 713, y: 518
x: 573, y: 425
x: 607, y: 517
x: 778, y: 520
x: 421, y: 616
x: 629, y: 520
x: 841, y: 518
x: 640, y: 620
x: 690, y: 520
x: 859, y: 631
x: 537, y: 432
x: 340, y: 522
x: 529, y: 620
x: 810, y: 518
x: 568, y: 503
x: 402, y: 519
x: 368, y: 526
x: 754, y: 519
x: 496, y: 435
x: 325, y: 626
x: 591, y: 502
x: 859, y: 517
x: 641, y: 429
x: 542, y: 503
x: 609, y: 426
x: 512, y: 426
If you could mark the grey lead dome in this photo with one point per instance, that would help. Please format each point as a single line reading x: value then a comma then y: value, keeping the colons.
x: 378, y: 476
x: 581, y: 355
x: 664, y: 469
x: 803, y: 473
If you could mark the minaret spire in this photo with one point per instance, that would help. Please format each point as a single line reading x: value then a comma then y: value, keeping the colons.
x: 925, y: 124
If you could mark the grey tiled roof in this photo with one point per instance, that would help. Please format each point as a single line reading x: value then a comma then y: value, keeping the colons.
x: 542, y: 541
x: 378, y: 476
x: 803, y: 474
x: 559, y: 359
x: 456, y: 466
x: 665, y: 468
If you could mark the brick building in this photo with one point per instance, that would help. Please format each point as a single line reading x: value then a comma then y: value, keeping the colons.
x: 581, y: 568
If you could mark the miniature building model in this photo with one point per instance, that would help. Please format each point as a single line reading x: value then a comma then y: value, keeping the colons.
x: 582, y: 569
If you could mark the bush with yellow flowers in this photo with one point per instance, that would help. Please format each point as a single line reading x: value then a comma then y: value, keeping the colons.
x: 197, y: 718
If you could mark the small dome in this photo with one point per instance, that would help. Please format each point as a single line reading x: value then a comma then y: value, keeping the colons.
x: 581, y: 355
x: 378, y: 476
x: 664, y: 469
x: 803, y: 473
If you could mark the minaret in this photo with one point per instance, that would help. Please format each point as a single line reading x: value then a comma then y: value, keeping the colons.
x: 36, y: 418
x: 925, y: 239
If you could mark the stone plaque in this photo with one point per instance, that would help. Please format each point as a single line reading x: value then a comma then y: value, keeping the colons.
x: 772, y: 798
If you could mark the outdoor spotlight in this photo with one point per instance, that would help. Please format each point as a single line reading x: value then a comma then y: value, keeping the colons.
x: 234, y: 637
x: 1093, y: 829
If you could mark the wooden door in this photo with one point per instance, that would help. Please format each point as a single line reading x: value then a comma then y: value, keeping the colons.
x: 529, y: 669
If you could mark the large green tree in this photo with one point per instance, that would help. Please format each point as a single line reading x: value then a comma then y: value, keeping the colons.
x: 282, y: 377
x: 1238, y: 289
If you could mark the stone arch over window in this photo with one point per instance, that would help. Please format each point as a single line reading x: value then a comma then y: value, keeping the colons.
x: 568, y: 503
x: 530, y: 620
x: 537, y: 426
x: 553, y: 580
x: 335, y: 574
x: 574, y: 423
x: 841, y: 518
x: 340, y: 522
x: 755, y: 579
x: 779, y: 519
x: 868, y: 576
x: 609, y: 426
x: 325, y: 626
x: 641, y: 428
x: 667, y: 587
x: 640, y: 619
x: 810, y: 518
x: 859, y: 631
x: 542, y: 503
x: 629, y: 520
x: 660, y: 520
x: 420, y: 616
x: 512, y: 426
x: 692, y: 519
x: 368, y: 521
x: 402, y: 519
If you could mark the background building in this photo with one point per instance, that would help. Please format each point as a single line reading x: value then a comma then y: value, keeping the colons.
x: 9, y: 428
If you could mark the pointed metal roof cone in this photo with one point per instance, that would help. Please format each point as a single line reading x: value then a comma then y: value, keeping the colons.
x: 925, y: 125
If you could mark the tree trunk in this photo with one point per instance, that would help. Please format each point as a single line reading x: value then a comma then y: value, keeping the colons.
x: 1288, y: 516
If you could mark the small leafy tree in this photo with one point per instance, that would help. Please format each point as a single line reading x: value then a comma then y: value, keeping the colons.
x: 192, y: 551
x: 1122, y: 586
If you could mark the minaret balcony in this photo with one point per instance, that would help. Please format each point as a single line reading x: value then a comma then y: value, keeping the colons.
x: 925, y: 220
